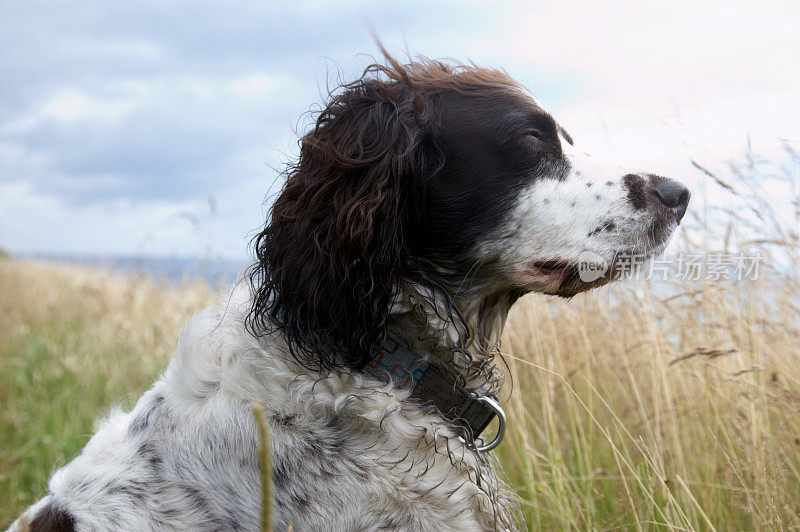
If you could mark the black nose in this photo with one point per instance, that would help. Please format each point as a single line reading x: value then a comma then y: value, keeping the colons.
x: 672, y: 195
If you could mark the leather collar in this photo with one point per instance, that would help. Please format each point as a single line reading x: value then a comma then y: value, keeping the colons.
x: 471, y: 411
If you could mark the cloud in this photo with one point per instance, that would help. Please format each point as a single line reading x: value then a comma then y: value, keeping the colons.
x: 150, y: 100
x: 641, y: 49
x: 116, y: 117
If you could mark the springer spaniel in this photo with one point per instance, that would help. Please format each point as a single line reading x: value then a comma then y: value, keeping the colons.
x: 427, y: 198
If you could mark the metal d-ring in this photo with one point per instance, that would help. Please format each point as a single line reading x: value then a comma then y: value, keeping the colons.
x: 501, y: 429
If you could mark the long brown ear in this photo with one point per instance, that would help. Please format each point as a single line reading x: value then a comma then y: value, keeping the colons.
x: 333, y: 250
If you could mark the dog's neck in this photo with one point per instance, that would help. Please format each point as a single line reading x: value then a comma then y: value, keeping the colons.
x: 464, y: 336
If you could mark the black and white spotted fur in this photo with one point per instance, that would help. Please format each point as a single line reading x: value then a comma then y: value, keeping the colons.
x: 427, y: 199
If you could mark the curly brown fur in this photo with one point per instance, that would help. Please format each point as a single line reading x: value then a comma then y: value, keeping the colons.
x: 343, y: 233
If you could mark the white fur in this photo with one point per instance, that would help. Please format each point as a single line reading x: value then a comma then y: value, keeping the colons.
x: 561, y: 219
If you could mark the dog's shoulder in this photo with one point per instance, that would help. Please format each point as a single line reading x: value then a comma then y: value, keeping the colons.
x: 185, y: 455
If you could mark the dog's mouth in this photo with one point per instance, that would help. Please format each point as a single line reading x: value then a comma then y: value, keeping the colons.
x: 564, y: 278
x: 553, y: 270
x: 567, y: 278
x: 588, y: 269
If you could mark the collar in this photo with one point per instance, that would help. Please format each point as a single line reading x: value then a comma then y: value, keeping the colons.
x: 472, y: 411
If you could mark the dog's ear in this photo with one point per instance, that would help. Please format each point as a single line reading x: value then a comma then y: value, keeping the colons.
x: 333, y: 250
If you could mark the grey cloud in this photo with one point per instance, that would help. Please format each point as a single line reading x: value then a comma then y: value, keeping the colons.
x: 170, y: 145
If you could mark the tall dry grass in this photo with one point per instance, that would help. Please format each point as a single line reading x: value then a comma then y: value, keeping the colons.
x: 638, y: 412
x: 670, y: 405
x: 73, y: 343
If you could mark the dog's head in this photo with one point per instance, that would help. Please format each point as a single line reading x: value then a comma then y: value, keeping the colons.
x: 516, y: 196
x: 447, y: 176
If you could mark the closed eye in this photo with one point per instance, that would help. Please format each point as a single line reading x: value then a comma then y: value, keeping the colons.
x: 535, y: 133
x: 542, y: 137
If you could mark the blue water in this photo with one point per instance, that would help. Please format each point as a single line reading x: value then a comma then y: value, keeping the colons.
x: 216, y: 272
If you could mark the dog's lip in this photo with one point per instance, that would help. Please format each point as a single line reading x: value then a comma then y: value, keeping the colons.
x: 552, y: 273
x: 559, y: 277
x: 551, y: 267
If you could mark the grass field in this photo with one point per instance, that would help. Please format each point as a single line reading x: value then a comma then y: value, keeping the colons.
x: 73, y: 343
x: 628, y: 409
x: 605, y: 431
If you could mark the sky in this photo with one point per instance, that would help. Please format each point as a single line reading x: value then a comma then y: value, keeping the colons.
x: 159, y: 128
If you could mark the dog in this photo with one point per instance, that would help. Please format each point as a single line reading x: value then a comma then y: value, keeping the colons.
x: 427, y: 198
